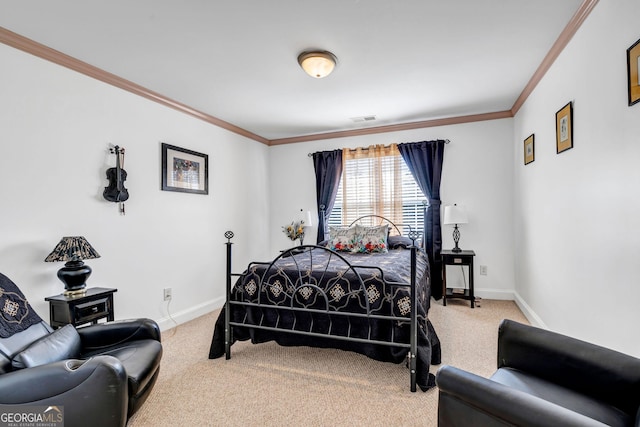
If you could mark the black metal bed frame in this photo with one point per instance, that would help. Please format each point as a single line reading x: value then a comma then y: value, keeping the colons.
x: 297, y: 251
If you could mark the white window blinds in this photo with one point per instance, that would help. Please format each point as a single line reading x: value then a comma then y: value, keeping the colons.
x: 377, y: 181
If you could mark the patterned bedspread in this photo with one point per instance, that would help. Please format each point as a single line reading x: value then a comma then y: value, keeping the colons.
x: 331, y: 284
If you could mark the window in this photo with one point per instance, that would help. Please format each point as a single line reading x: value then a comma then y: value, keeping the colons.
x: 377, y: 181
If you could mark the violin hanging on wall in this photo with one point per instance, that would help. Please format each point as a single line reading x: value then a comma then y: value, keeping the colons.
x: 115, y: 191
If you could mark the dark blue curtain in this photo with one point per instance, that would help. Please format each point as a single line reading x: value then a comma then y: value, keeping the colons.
x: 328, y: 167
x: 424, y: 159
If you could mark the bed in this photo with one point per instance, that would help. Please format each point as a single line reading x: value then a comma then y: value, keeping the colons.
x: 355, y: 293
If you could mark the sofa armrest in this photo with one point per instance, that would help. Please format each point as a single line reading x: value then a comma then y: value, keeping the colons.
x: 66, y: 384
x: 467, y: 399
x: 599, y: 372
x: 103, y: 335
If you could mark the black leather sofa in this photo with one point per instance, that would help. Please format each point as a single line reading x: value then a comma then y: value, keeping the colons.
x: 99, y: 375
x: 543, y: 379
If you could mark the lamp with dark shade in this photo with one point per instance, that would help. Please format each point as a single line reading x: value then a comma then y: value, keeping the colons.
x: 455, y: 215
x: 74, y: 274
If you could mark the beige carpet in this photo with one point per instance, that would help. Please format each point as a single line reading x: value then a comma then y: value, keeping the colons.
x: 269, y: 385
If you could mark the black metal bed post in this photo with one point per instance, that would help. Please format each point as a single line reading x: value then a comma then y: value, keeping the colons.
x: 322, y: 219
x: 414, y: 321
x: 227, y: 307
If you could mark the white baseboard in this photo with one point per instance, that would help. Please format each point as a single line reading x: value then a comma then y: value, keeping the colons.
x: 511, y: 295
x: 528, y: 312
x: 174, y: 319
x: 500, y: 294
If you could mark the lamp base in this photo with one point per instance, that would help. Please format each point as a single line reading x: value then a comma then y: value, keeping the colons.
x: 74, y: 275
x: 77, y: 292
x: 456, y: 239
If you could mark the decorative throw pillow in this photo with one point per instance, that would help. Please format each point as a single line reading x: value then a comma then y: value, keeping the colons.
x: 372, y: 239
x: 342, y: 239
x: 61, y: 344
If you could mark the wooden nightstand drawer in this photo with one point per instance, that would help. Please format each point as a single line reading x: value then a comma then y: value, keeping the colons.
x: 88, y: 311
x: 89, y: 307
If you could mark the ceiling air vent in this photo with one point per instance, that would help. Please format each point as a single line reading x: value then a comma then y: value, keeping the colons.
x: 363, y: 119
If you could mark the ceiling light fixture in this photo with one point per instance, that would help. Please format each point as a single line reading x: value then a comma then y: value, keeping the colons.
x: 318, y: 64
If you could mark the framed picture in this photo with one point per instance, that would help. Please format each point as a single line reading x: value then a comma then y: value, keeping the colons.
x: 529, y: 149
x: 564, y: 128
x: 633, y: 63
x: 184, y: 170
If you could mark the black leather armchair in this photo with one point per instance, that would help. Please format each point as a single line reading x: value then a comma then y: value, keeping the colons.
x: 543, y: 379
x: 99, y: 374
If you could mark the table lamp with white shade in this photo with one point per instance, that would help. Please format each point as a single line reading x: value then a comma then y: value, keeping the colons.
x: 455, y: 215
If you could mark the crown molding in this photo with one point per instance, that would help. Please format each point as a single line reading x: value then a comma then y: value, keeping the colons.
x: 563, y: 40
x: 30, y: 46
x: 395, y: 128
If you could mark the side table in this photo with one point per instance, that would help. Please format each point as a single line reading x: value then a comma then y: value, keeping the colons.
x: 91, y: 306
x: 457, y: 258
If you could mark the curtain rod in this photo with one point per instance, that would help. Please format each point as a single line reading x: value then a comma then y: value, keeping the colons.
x: 446, y: 141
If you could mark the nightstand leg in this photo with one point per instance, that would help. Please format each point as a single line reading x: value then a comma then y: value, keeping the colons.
x: 471, y: 291
x: 444, y: 285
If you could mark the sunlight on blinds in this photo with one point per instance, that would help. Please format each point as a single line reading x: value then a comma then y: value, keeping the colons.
x: 377, y: 181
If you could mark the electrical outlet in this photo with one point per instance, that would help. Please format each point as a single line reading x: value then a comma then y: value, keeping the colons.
x: 483, y: 270
x: 167, y: 294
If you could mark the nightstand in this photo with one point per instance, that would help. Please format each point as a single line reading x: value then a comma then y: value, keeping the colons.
x: 93, y: 305
x: 457, y: 258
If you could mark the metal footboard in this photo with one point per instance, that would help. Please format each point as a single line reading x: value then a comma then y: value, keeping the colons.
x: 278, y: 300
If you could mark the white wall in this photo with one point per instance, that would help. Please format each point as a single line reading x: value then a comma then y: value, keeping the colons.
x: 477, y: 173
x: 561, y: 232
x: 576, y: 213
x: 55, y: 130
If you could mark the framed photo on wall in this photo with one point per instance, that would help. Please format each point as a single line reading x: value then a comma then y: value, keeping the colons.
x: 184, y: 170
x: 633, y: 63
x: 529, y: 149
x: 564, y: 128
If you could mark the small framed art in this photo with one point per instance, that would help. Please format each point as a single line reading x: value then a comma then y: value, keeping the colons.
x: 633, y: 63
x: 529, y: 149
x: 564, y: 128
x: 184, y: 170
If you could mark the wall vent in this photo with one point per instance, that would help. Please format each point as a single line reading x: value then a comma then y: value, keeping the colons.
x: 363, y: 119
